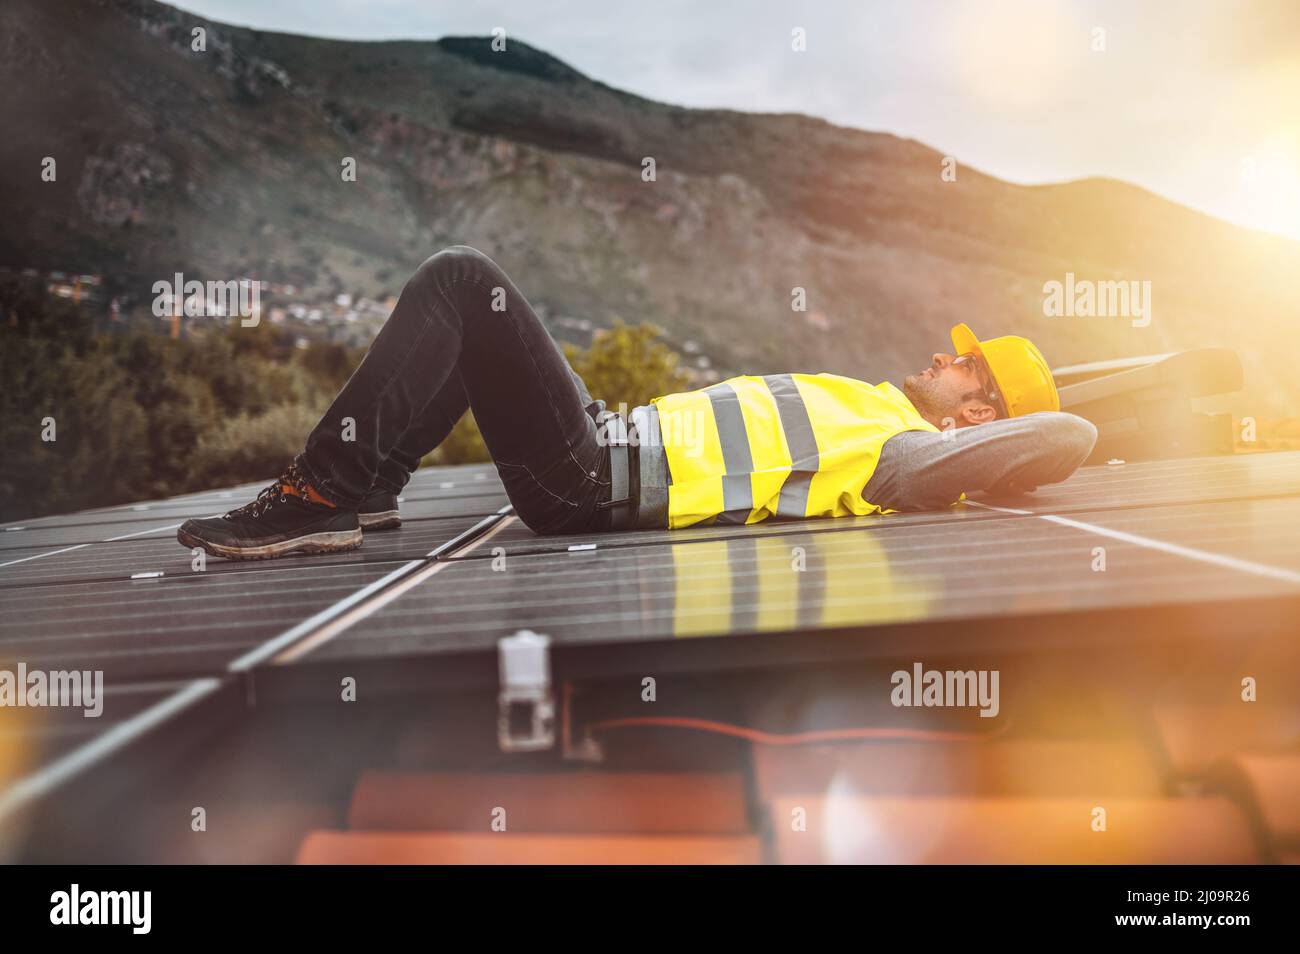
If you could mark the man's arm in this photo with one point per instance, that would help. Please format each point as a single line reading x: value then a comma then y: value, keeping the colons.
x: 921, y: 470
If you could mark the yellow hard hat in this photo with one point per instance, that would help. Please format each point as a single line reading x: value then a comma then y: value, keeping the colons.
x: 1019, y: 370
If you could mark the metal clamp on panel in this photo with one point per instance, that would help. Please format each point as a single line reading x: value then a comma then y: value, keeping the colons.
x: 525, y: 704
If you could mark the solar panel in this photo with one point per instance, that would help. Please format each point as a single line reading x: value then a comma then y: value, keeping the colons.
x: 877, y: 571
x: 425, y: 605
x: 51, y: 732
x: 138, y: 544
x: 112, y: 590
x: 183, y: 625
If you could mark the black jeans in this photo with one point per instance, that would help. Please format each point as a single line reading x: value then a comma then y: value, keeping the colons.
x: 462, y: 336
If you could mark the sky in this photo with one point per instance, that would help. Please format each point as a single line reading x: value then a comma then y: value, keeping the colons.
x: 1196, y: 100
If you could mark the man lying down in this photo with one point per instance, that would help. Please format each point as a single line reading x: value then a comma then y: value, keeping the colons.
x: 787, y: 446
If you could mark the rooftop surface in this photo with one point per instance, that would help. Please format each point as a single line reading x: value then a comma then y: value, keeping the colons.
x: 1202, y: 550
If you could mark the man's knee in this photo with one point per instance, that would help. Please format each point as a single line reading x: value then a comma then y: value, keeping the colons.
x: 456, y: 262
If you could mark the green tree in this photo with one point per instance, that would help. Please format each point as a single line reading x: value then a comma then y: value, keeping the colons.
x: 139, y: 415
x: 464, y: 445
x: 628, y: 364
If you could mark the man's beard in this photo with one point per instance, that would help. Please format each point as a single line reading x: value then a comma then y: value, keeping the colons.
x: 921, y: 393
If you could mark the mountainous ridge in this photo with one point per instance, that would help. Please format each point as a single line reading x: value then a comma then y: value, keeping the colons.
x: 226, y: 163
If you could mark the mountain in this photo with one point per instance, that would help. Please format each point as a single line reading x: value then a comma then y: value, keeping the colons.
x: 226, y: 163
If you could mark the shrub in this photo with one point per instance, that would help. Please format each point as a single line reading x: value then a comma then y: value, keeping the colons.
x: 138, y: 415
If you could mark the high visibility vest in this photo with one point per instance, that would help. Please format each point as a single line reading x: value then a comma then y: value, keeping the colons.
x: 790, y: 445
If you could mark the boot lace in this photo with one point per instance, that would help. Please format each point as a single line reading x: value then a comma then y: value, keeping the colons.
x: 274, y: 492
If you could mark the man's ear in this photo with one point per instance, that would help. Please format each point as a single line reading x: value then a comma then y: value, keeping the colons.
x: 978, y: 412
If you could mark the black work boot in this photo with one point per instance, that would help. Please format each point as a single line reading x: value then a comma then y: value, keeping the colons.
x: 275, y: 524
x: 379, y: 511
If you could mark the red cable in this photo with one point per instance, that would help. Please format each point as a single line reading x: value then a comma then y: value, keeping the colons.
x: 796, y: 738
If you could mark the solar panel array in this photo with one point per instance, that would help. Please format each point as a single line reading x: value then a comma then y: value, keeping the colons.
x: 111, y: 589
x: 1229, y: 524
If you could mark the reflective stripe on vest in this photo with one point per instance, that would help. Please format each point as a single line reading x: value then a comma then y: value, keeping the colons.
x: 744, y: 584
x: 738, y: 463
x: 799, y: 437
x: 790, y: 445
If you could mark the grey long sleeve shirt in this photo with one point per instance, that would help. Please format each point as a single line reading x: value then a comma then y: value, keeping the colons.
x: 921, y: 470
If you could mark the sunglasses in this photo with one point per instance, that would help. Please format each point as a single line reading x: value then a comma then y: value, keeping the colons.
x: 987, y: 384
